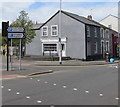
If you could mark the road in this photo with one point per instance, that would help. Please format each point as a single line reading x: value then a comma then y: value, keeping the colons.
x: 92, y: 85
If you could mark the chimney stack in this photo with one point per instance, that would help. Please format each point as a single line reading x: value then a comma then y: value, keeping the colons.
x: 89, y: 17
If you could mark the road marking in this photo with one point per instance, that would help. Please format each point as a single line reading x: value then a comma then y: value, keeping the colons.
x: 31, y: 78
x: 38, y: 80
x: 9, y: 89
x: 64, y: 86
x: 54, y: 84
x: 101, y: 94
x: 28, y: 97
x: 46, y: 82
x: 18, y: 93
x: 39, y: 101
x: 113, y: 66
x: 117, y: 98
x: 2, y: 86
x: 87, y: 91
x: 75, y: 89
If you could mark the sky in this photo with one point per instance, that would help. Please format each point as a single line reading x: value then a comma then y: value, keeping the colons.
x: 41, y: 11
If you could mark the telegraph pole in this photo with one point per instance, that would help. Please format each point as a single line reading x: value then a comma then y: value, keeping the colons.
x: 119, y: 28
x: 60, y: 47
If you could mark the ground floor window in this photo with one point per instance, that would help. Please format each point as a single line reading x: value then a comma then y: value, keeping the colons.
x: 95, y: 47
x: 107, y: 46
x: 49, y: 47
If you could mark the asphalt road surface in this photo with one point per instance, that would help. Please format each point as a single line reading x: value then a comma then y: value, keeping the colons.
x: 92, y: 85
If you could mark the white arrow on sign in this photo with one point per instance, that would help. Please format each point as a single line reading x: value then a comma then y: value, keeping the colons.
x: 15, y: 35
x: 15, y: 29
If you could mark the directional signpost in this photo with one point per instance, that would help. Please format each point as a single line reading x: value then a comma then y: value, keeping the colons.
x: 16, y: 33
x: 16, y: 29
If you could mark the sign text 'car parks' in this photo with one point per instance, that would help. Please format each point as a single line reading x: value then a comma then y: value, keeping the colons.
x: 15, y: 35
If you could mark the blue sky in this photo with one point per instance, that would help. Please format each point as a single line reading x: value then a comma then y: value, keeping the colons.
x: 42, y: 11
x: 36, y: 5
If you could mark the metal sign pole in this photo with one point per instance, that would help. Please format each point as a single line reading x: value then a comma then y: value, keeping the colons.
x: 7, y: 49
x: 60, y: 50
x: 20, y: 56
x: 11, y: 54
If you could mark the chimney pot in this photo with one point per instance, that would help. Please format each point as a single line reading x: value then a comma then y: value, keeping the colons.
x: 89, y: 17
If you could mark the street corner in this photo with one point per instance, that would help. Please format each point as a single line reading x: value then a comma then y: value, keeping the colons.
x: 7, y: 77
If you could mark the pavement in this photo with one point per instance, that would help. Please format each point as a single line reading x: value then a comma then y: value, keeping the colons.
x: 33, y: 67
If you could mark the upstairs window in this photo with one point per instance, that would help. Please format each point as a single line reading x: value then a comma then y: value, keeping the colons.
x: 88, y: 31
x: 45, y: 31
x: 102, y: 32
x: 95, y: 31
x: 107, y: 33
x: 54, y: 30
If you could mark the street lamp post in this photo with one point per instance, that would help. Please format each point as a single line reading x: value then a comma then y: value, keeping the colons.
x: 60, y: 47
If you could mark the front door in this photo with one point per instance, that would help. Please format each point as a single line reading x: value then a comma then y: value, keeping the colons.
x: 63, y: 50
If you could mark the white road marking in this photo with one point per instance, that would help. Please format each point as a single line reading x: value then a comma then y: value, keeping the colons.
x: 18, y: 93
x: 46, y: 82
x: 9, y: 89
x: 39, y: 101
x: 38, y: 80
x: 117, y: 98
x: 114, y: 66
x: 28, y: 97
x: 64, y: 86
x: 101, y: 94
x: 2, y: 86
x: 54, y: 84
x: 31, y: 78
x: 87, y: 91
x: 75, y: 89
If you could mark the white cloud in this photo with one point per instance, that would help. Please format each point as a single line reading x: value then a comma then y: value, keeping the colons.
x: 62, y: 0
x: 10, y: 10
x: 98, y: 11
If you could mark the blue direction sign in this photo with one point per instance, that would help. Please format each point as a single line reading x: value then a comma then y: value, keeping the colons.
x: 15, y: 35
x: 15, y: 29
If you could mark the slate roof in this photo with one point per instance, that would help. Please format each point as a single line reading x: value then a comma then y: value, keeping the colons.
x: 74, y: 16
x: 81, y: 18
x: 36, y: 26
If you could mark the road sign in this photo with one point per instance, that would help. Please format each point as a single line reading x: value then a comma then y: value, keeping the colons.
x: 15, y: 35
x: 15, y: 29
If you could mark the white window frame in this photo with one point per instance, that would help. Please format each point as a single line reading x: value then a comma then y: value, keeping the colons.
x: 96, y: 48
x: 108, y: 46
x: 102, y: 33
x: 88, y: 31
x: 56, y: 30
x: 102, y: 41
x: 107, y: 34
x: 45, y: 31
x: 95, y: 31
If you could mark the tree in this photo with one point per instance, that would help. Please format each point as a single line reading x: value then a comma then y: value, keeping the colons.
x: 3, y: 40
x: 24, y: 21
